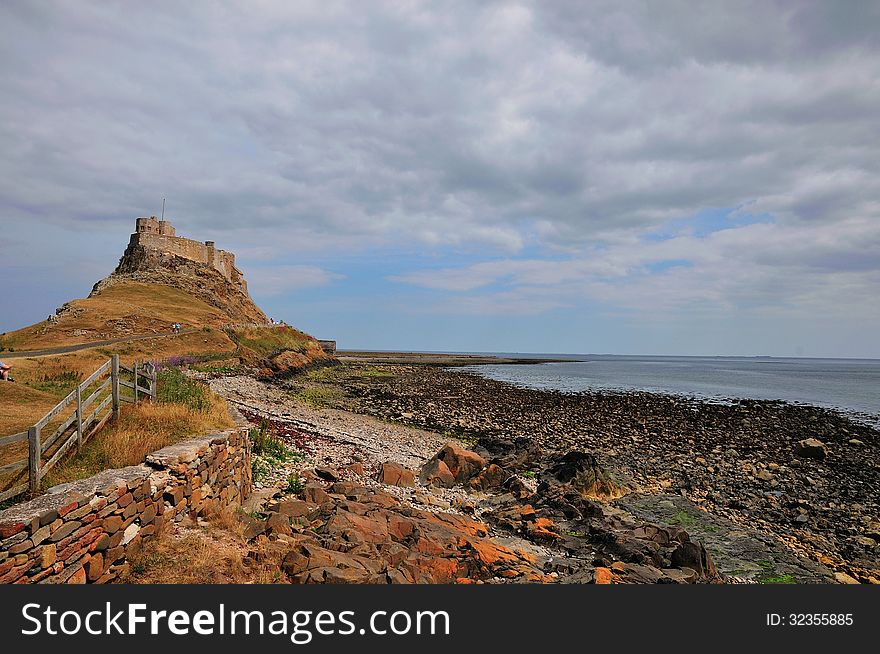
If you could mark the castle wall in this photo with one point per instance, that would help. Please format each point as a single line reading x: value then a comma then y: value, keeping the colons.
x: 160, y: 235
x: 220, y: 260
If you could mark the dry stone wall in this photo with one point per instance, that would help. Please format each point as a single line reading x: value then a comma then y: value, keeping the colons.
x: 82, y: 532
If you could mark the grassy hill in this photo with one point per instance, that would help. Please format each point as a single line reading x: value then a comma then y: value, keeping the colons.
x: 124, y: 309
x: 144, y: 313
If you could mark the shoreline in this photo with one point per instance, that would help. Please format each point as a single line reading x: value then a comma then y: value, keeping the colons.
x: 734, y: 463
x: 445, y: 359
x: 865, y: 418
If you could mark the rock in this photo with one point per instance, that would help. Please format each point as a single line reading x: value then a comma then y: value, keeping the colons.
x: 582, y: 471
x: 315, y: 493
x: 491, y: 478
x: 843, y: 578
x: 348, y: 488
x: 327, y: 474
x: 462, y: 463
x: 295, y: 508
x: 765, y: 475
x: 252, y: 527
x: 855, y: 441
x: 602, y: 576
x: 394, y: 474
x: 811, y: 448
x: 436, y: 473
x: 512, y: 454
x: 694, y: 556
x: 278, y: 523
x: 517, y: 487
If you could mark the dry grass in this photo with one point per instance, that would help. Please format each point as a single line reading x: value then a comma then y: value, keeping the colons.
x: 127, y: 308
x: 271, y: 340
x: 35, y: 390
x: 215, y: 553
x: 140, y: 430
x: 19, y: 404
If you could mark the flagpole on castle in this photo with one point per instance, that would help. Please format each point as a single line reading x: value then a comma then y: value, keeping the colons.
x: 163, y: 209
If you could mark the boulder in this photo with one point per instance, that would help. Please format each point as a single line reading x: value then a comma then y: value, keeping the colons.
x: 490, y: 478
x: 462, y: 463
x: 278, y: 524
x: 511, y: 454
x: 348, y: 488
x: 436, y: 473
x: 252, y: 527
x: 394, y: 474
x: 693, y: 555
x: 315, y: 493
x: 582, y: 471
x: 517, y: 487
x: 811, y: 448
x: 295, y: 508
x: 327, y: 474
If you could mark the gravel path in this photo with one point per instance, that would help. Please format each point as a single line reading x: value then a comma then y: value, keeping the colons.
x: 338, y: 439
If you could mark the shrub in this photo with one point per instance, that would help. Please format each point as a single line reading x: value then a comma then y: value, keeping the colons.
x: 295, y: 484
x: 176, y: 388
x: 265, y: 442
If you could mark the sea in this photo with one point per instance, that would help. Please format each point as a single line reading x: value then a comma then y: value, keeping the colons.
x: 849, y: 385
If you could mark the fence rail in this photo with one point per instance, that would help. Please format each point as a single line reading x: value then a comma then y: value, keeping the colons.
x: 104, y: 398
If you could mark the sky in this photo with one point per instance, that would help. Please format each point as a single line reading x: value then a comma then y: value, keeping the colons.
x: 582, y: 177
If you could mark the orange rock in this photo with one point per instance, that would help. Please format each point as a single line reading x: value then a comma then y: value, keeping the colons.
x: 394, y: 474
x: 602, y: 576
x: 462, y: 463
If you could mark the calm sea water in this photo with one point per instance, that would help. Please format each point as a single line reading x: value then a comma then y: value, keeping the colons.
x: 852, y: 385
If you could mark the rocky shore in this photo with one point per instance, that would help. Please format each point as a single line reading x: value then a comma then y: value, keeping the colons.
x: 537, y: 486
x: 745, y: 477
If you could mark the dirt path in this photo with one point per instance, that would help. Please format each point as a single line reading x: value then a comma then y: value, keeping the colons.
x: 85, y: 346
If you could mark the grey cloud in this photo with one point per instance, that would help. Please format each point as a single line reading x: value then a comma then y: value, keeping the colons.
x: 318, y: 125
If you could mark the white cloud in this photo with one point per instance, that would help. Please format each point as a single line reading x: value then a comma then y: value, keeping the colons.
x: 281, y: 279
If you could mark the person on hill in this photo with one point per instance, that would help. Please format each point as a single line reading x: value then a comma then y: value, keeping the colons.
x: 4, y: 372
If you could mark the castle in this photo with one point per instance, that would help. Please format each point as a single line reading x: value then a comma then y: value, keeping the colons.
x: 160, y: 236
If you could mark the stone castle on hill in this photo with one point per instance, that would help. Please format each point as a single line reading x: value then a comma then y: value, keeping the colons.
x: 161, y: 237
x: 157, y: 255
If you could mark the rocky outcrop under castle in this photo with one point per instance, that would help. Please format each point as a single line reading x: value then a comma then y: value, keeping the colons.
x: 149, y: 265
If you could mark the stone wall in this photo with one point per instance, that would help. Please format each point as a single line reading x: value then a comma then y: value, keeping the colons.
x: 81, y: 532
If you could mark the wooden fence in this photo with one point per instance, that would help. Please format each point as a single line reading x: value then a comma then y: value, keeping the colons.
x: 92, y: 403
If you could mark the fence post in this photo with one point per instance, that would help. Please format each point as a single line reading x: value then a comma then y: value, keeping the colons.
x: 79, y: 420
x: 135, y: 369
x: 34, y: 458
x: 154, y: 380
x: 114, y: 384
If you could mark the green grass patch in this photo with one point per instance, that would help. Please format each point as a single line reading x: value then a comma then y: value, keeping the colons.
x: 271, y: 341
x: 683, y: 518
x: 269, y: 452
x: 176, y: 388
x: 58, y: 384
x: 777, y: 579
x: 295, y: 484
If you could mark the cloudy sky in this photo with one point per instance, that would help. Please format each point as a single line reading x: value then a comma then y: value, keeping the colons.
x: 654, y: 178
